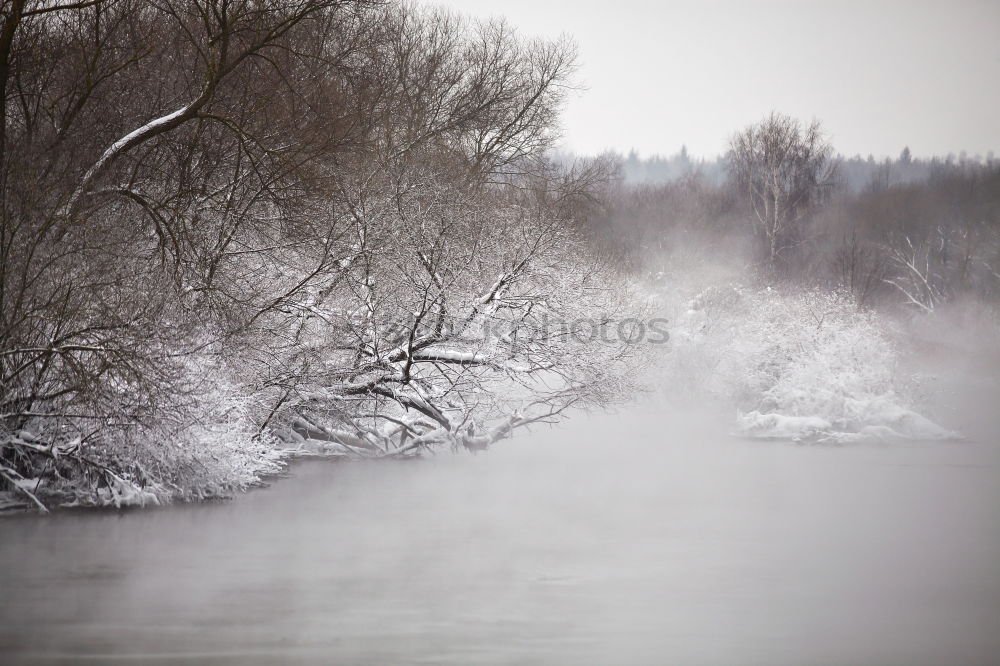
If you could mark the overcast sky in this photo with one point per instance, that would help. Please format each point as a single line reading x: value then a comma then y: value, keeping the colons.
x: 878, y: 74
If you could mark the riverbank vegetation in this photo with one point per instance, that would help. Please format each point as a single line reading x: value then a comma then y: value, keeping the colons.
x: 906, y: 234
x: 233, y: 228
x: 803, y: 284
x: 230, y: 231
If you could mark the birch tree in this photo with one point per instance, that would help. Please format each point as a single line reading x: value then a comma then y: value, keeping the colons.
x: 785, y: 169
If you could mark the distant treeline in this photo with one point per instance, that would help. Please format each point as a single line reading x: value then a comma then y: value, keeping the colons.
x: 905, y: 232
x: 854, y: 173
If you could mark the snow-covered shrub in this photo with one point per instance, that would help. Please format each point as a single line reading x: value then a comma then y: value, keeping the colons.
x: 801, y: 365
x: 206, y: 444
x: 212, y: 448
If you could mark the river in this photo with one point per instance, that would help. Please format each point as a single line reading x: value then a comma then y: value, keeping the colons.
x: 647, y: 536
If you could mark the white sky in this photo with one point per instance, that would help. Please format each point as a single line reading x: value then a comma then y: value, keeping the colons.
x: 879, y: 74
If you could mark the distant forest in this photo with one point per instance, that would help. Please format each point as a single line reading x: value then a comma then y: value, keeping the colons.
x: 854, y: 173
x: 906, y: 232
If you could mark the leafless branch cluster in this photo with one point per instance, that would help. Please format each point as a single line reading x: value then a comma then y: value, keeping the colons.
x: 339, y: 204
x: 785, y: 169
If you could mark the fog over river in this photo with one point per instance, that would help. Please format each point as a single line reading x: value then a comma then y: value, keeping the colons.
x: 401, y: 332
x: 646, y: 536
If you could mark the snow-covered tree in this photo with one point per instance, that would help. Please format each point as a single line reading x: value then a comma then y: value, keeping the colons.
x: 225, y: 220
x: 451, y: 323
x: 785, y: 169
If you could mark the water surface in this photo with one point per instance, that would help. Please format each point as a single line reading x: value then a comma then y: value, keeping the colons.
x: 645, y: 537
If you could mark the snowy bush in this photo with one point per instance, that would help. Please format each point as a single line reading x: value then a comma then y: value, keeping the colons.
x: 799, y: 365
x: 207, y: 445
x: 218, y: 453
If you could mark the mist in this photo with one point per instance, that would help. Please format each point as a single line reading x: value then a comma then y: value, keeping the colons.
x: 327, y: 337
x: 642, y: 536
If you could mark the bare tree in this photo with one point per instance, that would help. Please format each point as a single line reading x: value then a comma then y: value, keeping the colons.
x: 153, y: 178
x: 785, y: 170
x: 453, y: 324
x: 862, y: 268
x: 337, y: 210
x: 916, y: 277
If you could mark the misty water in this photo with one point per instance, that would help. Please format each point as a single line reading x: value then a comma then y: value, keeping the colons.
x: 646, y: 536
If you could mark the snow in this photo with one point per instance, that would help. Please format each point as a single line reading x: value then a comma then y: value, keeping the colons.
x: 121, y: 492
x: 798, y: 365
x: 755, y: 424
x: 121, y: 143
x: 879, y: 419
x: 451, y: 356
x: 117, y: 147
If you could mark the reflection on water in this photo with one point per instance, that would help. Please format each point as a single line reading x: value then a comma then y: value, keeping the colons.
x: 641, y: 537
